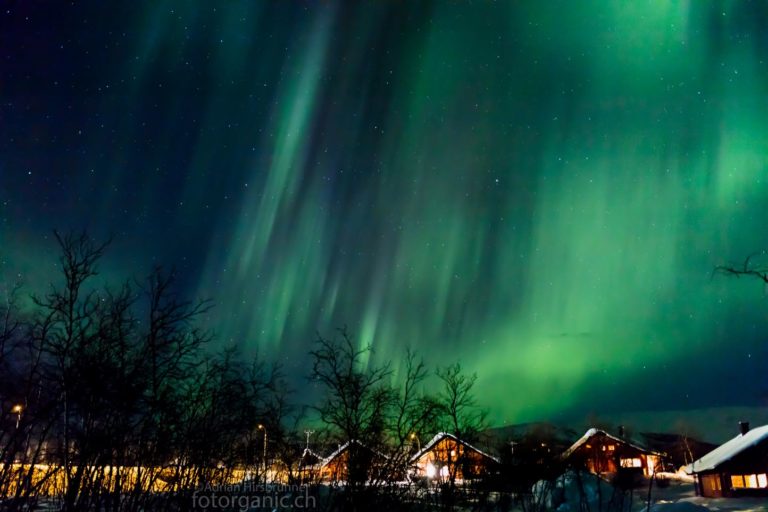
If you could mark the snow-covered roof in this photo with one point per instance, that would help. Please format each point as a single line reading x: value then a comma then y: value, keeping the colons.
x: 729, y: 450
x: 442, y: 435
x: 308, y: 454
x: 344, y: 446
x: 593, y: 432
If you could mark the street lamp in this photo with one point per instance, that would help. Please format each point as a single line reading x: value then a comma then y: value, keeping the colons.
x: 262, y: 427
x: 416, y: 438
x: 16, y: 409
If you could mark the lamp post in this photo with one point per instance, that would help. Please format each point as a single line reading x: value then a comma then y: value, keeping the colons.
x: 262, y: 427
x: 17, y: 410
x: 416, y: 438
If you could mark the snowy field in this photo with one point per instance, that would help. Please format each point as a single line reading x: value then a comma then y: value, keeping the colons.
x: 585, y: 492
x: 680, y: 497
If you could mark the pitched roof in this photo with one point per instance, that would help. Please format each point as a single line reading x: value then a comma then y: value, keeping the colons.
x: 344, y: 446
x: 309, y: 455
x: 593, y: 432
x: 728, y: 450
x: 442, y: 435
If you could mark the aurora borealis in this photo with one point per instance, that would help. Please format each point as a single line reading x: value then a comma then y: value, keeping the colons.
x: 538, y: 189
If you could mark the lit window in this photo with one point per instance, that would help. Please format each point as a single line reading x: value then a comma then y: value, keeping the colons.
x: 749, y: 481
x: 431, y: 470
x: 631, y: 463
x: 444, y: 471
x: 453, y: 453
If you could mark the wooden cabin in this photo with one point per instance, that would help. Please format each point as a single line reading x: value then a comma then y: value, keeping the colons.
x: 353, y: 457
x: 309, y: 466
x: 736, y: 468
x: 602, y: 453
x: 446, y: 456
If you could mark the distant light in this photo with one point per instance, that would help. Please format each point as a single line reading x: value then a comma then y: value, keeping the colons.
x: 17, y: 408
x: 431, y: 470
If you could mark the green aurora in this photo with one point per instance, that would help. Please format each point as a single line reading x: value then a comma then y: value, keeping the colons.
x: 537, y: 189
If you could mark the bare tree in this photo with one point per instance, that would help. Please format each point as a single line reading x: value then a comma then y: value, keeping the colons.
x: 414, y: 413
x: 747, y: 268
x: 356, y: 404
x: 462, y: 417
x: 114, y: 390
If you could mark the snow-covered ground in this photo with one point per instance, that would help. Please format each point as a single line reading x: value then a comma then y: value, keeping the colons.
x: 681, y: 497
x: 572, y: 492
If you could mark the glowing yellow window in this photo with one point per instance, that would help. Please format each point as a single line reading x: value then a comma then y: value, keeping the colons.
x: 762, y: 481
x: 737, y: 481
x: 611, y: 448
x: 750, y: 481
x: 631, y: 463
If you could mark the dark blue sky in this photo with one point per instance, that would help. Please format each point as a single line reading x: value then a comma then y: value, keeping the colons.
x: 540, y: 190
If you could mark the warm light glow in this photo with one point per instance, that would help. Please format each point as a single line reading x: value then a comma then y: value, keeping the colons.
x: 17, y: 408
x: 631, y: 463
x: 431, y: 470
x: 652, y: 462
x: 260, y: 426
x: 749, y: 481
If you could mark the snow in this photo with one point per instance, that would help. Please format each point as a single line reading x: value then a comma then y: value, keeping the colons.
x: 680, y: 506
x: 327, y: 460
x: 337, y: 452
x: 700, y: 504
x: 567, y: 494
x: 439, y: 436
x: 728, y: 450
x: 593, y: 432
x: 571, y: 490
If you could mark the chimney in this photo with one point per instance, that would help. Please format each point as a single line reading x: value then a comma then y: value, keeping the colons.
x: 621, y: 430
x: 743, y: 427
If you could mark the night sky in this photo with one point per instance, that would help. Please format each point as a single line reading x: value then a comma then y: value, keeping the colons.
x: 538, y: 189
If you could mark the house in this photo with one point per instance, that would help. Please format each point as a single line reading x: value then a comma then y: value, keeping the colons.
x: 351, y: 457
x: 736, y: 468
x: 446, y: 456
x: 602, y: 453
x: 309, y: 466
